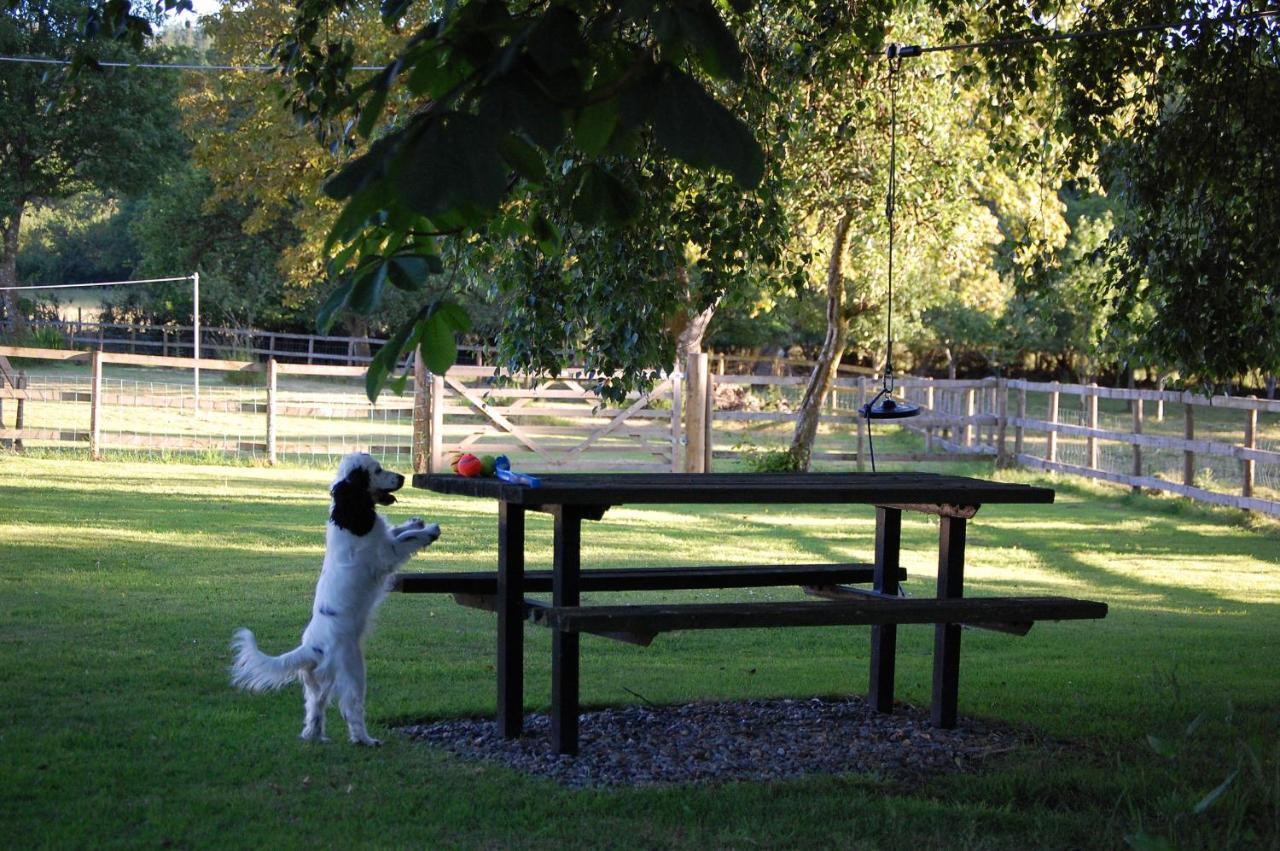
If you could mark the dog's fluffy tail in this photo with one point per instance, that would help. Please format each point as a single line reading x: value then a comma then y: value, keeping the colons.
x: 254, y: 670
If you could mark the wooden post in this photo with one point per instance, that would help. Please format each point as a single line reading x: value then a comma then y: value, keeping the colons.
x: 271, y: 410
x: 1160, y: 400
x: 1250, y: 442
x: 1091, y: 442
x: 677, y: 397
x: 929, y: 405
x: 1002, y: 422
x: 1052, y: 451
x: 133, y: 339
x: 946, y: 636
x: 95, y: 405
x: 709, y: 421
x: 1137, y: 448
x: 1019, y: 433
x: 861, y: 422
x: 421, y: 415
x: 565, y: 589
x: 311, y: 348
x: 510, y: 605
x: 884, y: 639
x: 1189, y: 432
x: 164, y: 348
x: 435, y: 436
x: 21, y: 413
x: 695, y: 426
x: 969, y: 409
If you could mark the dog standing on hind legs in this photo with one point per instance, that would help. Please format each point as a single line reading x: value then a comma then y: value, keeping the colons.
x: 362, y: 552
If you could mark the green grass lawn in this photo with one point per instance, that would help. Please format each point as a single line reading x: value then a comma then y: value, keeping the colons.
x: 120, y: 585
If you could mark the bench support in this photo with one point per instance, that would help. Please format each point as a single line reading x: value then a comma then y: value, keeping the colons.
x: 884, y: 639
x: 510, y: 664
x: 565, y: 591
x: 946, y: 636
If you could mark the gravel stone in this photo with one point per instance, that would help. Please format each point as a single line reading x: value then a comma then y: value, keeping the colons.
x: 645, y: 745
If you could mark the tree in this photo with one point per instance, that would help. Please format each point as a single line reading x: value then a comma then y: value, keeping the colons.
x: 114, y: 130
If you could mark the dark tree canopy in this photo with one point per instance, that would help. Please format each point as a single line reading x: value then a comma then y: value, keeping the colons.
x: 491, y: 105
x: 114, y: 131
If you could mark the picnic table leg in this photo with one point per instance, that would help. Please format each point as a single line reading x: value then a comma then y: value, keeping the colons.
x: 884, y: 639
x: 565, y: 583
x: 510, y: 606
x: 946, y: 636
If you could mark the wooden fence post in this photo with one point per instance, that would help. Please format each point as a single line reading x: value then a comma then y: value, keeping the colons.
x: 435, y: 436
x: 928, y: 403
x: 1091, y: 442
x: 1019, y: 433
x: 271, y: 410
x: 20, y: 414
x: 421, y: 414
x: 677, y: 397
x: 695, y: 425
x: 1052, y: 449
x: 1250, y: 442
x: 1189, y: 432
x: 1002, y: 422
x: 709, y: 419
x: 1160, y: 399
x: 1137, y: 447
x: 164, y: 348
x: 969, y: 410
x: 95, y: 405
x: 861, y: 422
x: 311, y: 349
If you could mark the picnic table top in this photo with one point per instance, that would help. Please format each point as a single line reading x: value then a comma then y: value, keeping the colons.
x: 627, y: 488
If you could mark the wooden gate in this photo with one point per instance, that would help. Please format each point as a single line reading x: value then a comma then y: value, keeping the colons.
x: 543, y: 423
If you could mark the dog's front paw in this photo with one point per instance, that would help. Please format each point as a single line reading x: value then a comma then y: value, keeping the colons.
x: 413, y: 523
x: 420, y: 537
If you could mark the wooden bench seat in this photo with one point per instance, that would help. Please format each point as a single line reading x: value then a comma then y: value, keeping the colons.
x: 484, y: 583
x: 651, y: 619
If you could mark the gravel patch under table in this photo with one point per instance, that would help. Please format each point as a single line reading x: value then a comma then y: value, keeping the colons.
x: 742, y: 740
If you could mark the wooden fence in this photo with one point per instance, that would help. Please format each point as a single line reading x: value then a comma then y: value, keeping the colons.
x: 688, y: 421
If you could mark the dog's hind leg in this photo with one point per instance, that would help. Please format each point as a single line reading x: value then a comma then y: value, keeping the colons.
x: 350, y: 688
x: 316, y: 696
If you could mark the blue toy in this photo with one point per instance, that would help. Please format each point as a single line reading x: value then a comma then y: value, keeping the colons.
x: 502, y: 469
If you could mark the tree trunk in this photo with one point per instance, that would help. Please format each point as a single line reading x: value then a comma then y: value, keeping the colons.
x: 9, y: 268
x: 824, y: 369
x: 689, y: 328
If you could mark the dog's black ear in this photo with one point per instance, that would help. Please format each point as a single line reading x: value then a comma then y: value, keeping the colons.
x: 352, y: 504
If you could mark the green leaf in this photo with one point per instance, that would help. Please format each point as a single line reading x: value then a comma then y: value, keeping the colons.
x: 594, y: 126
x: 328, y: 311
x: 370, y: 112
x: 384, y: 362
x: 439, y: 345
x: 514, y: 102
x: 713, y: 43
x: 556, y: 40
x: 366, y: 292
x: 695, y: 128
x: 523, y: 158
x: 452, y: 166
x: 603, y: 197
x: 407, y: 272
x: 363, y: 170
x: 1208, y: 800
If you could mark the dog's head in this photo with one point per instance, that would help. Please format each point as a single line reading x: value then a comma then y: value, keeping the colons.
x: 361, y: 483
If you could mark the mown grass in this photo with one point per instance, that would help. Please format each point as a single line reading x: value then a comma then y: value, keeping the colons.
x: 121, y: 584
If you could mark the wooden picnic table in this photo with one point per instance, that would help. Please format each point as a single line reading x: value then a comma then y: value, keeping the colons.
x: 572, y: 498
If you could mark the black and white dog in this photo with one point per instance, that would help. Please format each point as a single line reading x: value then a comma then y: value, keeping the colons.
x: 361, y: 554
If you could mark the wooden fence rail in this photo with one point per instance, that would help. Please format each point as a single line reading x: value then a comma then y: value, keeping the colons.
x: 549, y: 422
